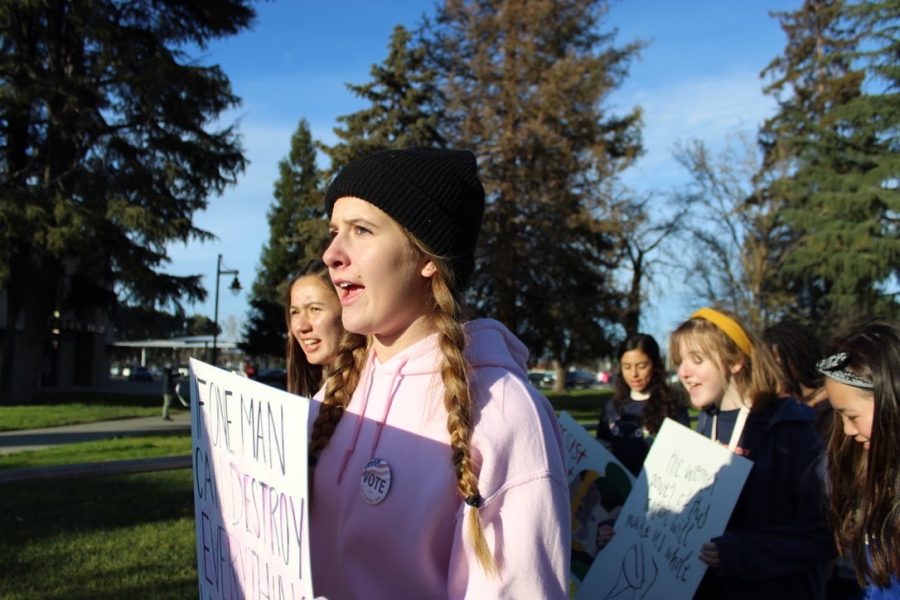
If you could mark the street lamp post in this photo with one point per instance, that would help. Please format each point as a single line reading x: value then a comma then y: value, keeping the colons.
x: 235, y: 287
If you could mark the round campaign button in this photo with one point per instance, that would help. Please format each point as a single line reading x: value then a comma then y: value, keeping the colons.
x: 376, y: 481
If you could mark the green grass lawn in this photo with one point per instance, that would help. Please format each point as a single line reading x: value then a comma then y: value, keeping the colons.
x: 69, y: 407
x: 585, y: 406
x: 102, y: 537
x: 124, y: 448
x: 15, y: 418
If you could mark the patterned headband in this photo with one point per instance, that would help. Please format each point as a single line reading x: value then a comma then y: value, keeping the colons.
x: 835, y: 366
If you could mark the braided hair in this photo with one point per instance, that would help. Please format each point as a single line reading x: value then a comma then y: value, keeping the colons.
x: 447, y: 314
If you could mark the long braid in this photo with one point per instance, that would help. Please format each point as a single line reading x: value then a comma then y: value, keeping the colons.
x: 342, y: 377
x: 459, y: 406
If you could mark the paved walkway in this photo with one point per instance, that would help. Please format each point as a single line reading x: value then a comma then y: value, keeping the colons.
x: 36, y: 439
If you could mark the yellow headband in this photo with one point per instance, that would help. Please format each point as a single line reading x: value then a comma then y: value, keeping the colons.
x: 728, y: 326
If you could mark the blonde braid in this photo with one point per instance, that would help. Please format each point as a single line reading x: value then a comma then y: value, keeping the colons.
x: 459, y: 406
x: 342, y: 377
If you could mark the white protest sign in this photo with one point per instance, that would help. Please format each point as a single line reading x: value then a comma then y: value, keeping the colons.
x: 598, y: 487
x: 682, y: 498
x: 250, y: 487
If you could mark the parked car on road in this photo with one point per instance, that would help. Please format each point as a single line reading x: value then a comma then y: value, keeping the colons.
x: 541, y: 378
x: 580, y: 379
x: 140, y: 373
x: 276, y: 378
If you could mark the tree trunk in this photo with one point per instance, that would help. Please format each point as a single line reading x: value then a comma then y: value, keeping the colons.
x: 559, y: 384
x: 632, y: 318
x: 30, y: 301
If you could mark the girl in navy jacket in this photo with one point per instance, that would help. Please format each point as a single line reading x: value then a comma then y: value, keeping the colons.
x: 776, y: 544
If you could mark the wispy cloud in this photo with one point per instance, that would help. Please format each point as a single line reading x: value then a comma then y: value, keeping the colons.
x: 710, y: 109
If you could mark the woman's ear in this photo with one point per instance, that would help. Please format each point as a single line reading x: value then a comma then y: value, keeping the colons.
x: 736, y: 367
x: 429, y: 269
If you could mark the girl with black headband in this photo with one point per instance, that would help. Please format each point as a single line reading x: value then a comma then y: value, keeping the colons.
x: 862, y: 379
x: 437, y: 470
x: 776, y: 544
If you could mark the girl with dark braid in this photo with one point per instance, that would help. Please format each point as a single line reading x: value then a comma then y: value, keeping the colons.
x: 437, y: 470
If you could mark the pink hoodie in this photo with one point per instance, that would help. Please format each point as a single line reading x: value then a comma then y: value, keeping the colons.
x: 412, y: 544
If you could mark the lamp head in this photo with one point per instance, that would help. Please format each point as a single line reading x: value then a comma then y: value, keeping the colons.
x: 235, y: 286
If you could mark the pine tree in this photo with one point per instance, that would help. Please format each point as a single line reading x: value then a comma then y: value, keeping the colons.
x: 298, y: 233
x: 106, y: 152
x: 524, y: 83
x: 835, y: 135
x: 140, y: 323
x: 402, y: 110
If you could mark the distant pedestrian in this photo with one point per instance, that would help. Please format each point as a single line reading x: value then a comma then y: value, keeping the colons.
x: 168, y: 390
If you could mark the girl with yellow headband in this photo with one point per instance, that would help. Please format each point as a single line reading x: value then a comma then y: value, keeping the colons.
x: 776, y: 544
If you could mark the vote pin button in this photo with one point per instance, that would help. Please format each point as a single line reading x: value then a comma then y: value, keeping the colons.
x: 376, y: 481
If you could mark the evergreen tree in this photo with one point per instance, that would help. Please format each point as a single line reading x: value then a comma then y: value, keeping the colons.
x: 298, y: 233
x: 402, y: 110
x: 106, y: 152
x: 835, y: 138
x: 523, y: 85
x: 139, y: 323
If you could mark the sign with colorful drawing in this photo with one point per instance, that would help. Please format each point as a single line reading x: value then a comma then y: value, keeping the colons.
x: 598, y: 487
x: 682, y: 498
x: 250, y: 490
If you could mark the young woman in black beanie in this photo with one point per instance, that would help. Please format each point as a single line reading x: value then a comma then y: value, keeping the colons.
x: 437, y: 470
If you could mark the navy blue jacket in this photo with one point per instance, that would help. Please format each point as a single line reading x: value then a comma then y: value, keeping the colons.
x: 623, y: 431
x: 777, y: 543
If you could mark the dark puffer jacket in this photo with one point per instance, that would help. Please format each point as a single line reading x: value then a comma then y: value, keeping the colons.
x: 777, y: 543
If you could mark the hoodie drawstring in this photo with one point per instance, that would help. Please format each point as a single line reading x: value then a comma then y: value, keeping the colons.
x: 369, y: 377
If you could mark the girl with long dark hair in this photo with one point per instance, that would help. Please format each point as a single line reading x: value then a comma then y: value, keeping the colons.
x: 642, y: 400
x: 862, y: 379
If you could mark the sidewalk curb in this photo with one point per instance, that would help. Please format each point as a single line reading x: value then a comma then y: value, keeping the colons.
x: 38, y: 439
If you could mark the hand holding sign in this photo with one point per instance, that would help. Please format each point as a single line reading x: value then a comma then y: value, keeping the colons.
x: 682, y: 499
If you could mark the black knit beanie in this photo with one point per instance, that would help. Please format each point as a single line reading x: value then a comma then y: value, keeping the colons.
x: 433, y: 193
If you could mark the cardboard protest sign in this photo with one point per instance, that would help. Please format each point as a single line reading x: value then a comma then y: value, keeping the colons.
x: 598, y: 487
x: 682, y: 498
x: 250, y: 487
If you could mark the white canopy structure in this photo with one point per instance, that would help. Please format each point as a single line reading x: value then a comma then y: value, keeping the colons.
x: 177, y: 343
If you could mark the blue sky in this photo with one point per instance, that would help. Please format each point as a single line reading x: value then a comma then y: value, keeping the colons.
x: 698, y: 78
